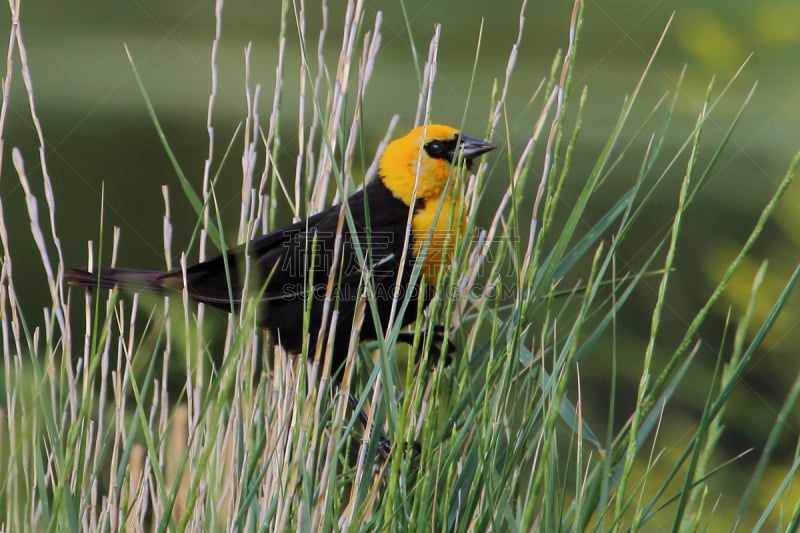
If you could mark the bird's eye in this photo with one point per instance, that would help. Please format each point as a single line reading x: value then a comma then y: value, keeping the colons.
x: 435, y: 148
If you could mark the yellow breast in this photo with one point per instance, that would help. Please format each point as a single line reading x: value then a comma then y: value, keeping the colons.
x: 434, y: 236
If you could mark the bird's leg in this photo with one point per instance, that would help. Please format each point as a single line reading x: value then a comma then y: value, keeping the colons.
x: 438, y: 343
x: 352, y: 401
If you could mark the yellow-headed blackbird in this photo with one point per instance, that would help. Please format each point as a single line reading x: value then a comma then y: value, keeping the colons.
x: 286, y: 264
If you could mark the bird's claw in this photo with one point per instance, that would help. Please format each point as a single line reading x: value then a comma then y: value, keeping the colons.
x: 384, y: 444
x: 385, y: 452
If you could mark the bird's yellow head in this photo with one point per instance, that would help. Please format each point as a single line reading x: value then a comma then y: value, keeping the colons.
x: 425, y: 158
x: 433, y: 150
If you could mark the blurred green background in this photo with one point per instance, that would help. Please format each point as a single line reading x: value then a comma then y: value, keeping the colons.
x: 99, y: 134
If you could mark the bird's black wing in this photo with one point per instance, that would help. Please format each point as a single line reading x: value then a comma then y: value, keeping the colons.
x: 266, y: 264
x: 283, y: 264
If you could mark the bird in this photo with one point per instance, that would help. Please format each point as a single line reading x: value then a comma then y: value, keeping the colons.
x: 286, y: 267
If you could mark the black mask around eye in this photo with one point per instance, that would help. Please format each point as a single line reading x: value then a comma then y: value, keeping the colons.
x: 447, y: 149
x: 439, y: 149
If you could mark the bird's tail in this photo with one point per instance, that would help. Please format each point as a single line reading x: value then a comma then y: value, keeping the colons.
x: 149, y: 281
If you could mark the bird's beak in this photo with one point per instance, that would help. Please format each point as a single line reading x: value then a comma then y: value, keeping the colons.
x: 472, y: 148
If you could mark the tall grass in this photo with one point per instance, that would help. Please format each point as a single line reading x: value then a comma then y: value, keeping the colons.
x: 93, y: 438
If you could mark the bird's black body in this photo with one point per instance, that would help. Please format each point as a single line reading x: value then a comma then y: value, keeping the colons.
x: 287, y: 271
x: 286, y: 264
